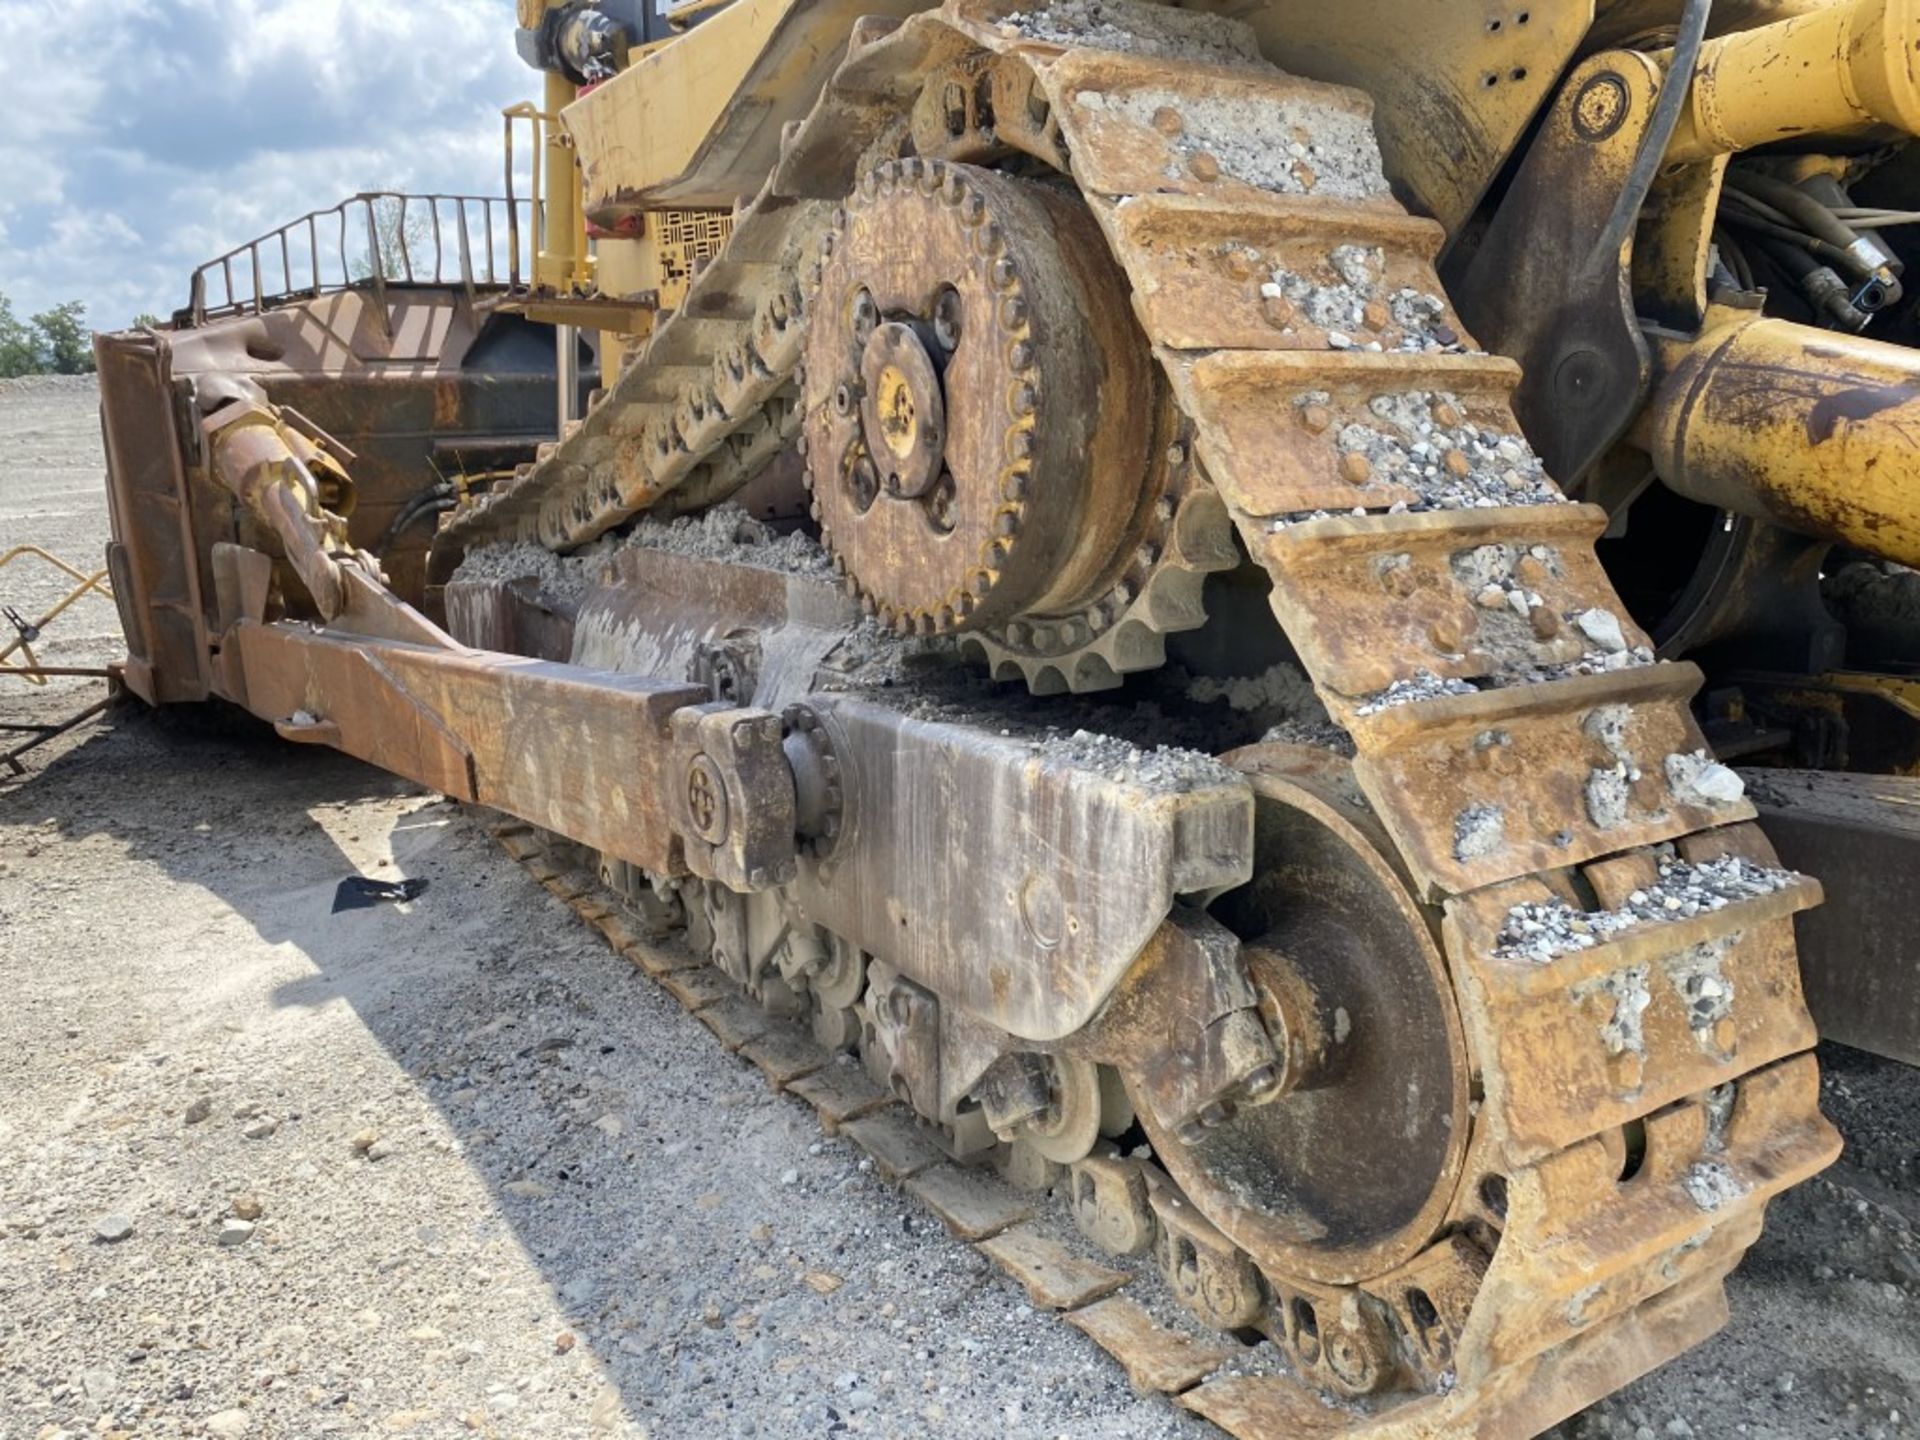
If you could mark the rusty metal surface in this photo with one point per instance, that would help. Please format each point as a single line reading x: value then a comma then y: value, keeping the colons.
x: 1348, y: 1171
x: 154, y: 558
x: 757, y: 636
x: 1031, y: 926
x: 1454, y: 86
x: 1512, y: 1264
x: 980, y: 409
x: 1860, y: 834
x: 1529, y: 754
x: 1562, y: 1020
x: 419, y: 391
x: 574, y: 750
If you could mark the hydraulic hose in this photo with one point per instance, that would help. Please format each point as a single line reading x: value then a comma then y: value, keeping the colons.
x: 1667, y: 110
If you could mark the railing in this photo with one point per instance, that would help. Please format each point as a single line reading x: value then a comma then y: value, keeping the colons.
x: 559, y: 240
x: 375, y: 239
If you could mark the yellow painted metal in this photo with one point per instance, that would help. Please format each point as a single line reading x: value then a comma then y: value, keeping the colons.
x: 1812, y: 430
x: 562, y: 263
x: 1848, y: 70
x: 696, y: 123
x: 563, y: 239
x: 84, y: 584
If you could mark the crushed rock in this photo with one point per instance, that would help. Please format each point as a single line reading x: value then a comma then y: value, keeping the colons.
x: 1493, y: 567
x: 1340, y: 306
x: 1697, y: 978
x: 1479, y: 830
x: 1594, y: 662
x: 1459, y: 466
x: 1281, y: 687
x: 1623, y: 1031
x: 1711, y: 1184
x: 1423, y: 685
x: 1159, y: 739
x: 559, y: 577
x: 1162, y: 768
x: 1279, y: 697
x: 1608, y: 793
x: 1602, y: 627
x: 727, y: 532
x: 1134, y: 27
x: 1289, y: 145
x: 1608, y: 725
x: 1699, y: 779
x: 1541, y: 931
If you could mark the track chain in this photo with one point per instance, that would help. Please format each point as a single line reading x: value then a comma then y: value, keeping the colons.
x: 1643, y: 1094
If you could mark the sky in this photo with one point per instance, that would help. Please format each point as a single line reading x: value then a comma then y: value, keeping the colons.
x: 142, y: 137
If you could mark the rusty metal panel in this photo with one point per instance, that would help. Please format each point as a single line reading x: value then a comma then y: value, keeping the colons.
x: 1588, y: 1236
x: 1028, y: 926
x: 1503, y: 754
x: 1270, y: 422
x: 157, y: 580
x: 1456, y: 84
x: 579, y: 751
x: 1204, y: 269
x: 1367, y: 600
x: 1860, y: 951
x: 1134, y: 134
x: 1597, y: 1037
x: 760, y: 634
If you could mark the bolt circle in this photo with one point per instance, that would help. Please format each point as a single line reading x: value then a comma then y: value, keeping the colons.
x: 707, y: 800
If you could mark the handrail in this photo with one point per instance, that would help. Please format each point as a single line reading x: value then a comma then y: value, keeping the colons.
x: 373, y: 248
x: 537, y: 121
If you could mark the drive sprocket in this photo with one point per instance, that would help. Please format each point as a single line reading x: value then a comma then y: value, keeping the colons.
x: 989, y: 446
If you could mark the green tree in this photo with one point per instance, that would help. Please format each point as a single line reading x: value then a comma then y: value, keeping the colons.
x: 402, y: 235
x: 147, y: 320
x: 66, y: 344
x: 19, y: 351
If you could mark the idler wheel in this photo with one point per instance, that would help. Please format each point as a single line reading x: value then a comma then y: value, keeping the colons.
x: 1350, y: 1168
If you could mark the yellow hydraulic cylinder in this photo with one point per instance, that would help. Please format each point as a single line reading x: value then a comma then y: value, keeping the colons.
x: 290, y: 487
x: 1850, y: 68
x: 1812, y: 430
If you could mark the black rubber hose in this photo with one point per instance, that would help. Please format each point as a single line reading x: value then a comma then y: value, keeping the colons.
x: 434, y: 502
x: 1667, y: 110
x: 1832, y: 254
x: 1806, y: 212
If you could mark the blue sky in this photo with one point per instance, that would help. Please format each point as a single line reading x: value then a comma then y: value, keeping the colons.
x: 141, y: 137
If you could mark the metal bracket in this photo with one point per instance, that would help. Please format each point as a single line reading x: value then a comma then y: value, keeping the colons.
x: 1189, y: 982
x: 733, y: 796
x: 1536, y: 289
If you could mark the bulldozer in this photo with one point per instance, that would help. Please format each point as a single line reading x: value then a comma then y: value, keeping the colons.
x: 1161, y: 594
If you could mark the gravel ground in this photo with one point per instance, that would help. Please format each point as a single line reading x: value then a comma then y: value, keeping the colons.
x: 499, y: 1184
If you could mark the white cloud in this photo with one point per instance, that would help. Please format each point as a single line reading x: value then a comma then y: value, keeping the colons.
x: 145, y: 136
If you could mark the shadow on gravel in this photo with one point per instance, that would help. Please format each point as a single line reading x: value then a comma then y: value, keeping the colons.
x: 507, y: 1017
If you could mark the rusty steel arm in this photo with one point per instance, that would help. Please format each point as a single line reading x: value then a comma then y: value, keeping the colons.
x: 292, y: 486
x: 576, y: 750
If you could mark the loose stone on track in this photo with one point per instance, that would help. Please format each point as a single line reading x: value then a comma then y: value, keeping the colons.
x: 1545, y: 930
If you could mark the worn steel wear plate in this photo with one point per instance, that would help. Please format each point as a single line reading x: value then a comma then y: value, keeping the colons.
x: 1028, y: 926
